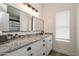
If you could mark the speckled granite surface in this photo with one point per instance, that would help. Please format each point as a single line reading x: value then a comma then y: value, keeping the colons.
x: 19, y: 42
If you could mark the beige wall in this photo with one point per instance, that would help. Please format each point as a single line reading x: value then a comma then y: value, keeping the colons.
x: 39, y: 7
x: 49, y: 12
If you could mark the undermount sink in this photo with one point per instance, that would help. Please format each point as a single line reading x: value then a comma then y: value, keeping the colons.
x: 3, y: 39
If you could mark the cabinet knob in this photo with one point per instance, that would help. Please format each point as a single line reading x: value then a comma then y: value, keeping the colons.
x: 29, y: 48
x: 43, y: 40
x: 31, y: 54
x: 43, y: 53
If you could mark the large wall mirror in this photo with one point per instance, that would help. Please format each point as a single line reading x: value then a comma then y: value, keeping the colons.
x: 14, y: 19
x: 17, y: 20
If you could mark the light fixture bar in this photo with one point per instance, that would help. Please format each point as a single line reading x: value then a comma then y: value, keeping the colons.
x: 30, y: 6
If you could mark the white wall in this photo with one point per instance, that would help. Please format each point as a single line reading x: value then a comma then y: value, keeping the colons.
x: 39, y: 7
x: 49, y: 12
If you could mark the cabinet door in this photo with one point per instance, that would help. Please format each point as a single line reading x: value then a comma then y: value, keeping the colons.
x: 25, y: 51
x: 49, y: 44
x: 37, y: 48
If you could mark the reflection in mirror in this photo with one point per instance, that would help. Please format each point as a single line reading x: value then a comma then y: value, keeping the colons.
x: 38, y: 24
x: 25, y: 22
x: 20, y: 21
x: 14, y: 19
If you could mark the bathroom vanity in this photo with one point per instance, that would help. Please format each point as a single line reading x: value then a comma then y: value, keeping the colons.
x: 23, y: 34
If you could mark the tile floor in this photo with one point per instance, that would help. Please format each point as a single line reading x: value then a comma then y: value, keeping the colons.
x: 54, y: 53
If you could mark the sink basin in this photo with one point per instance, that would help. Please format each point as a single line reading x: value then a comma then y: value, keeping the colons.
x: 3, y: 39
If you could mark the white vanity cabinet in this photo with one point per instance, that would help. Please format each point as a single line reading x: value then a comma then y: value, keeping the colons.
x: 42, y: 47
x: 38, y: 48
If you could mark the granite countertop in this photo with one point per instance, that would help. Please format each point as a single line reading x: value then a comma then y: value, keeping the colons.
x: 19, y: 43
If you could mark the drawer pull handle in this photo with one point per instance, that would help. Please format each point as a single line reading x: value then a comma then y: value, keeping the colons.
x: 29, y: 48
x: 31, y: 54
x: 43, y: 44
x: 43, y: 53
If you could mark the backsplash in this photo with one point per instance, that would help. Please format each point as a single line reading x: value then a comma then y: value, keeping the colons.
x: 20, y: 33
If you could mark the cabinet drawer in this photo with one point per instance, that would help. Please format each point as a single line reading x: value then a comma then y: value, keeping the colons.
x: 19, y: 52
x: 36, y: 46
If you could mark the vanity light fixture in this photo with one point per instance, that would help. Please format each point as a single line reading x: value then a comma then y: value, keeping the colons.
x: 30, y: 6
